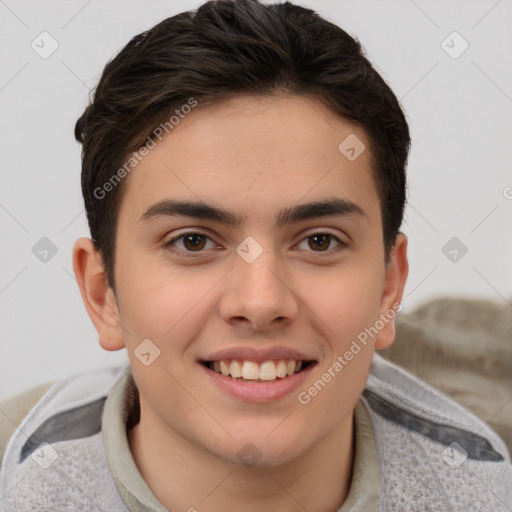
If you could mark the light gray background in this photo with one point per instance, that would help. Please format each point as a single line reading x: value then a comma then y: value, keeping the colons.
x: 459, y: 112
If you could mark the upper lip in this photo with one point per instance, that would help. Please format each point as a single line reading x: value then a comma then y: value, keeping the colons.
x: 258, y: 356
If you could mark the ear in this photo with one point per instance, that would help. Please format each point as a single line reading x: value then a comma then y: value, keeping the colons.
x: 397, y: 270
x: 98, y: 297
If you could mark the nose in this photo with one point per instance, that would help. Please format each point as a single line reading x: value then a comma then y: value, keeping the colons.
x: 259, y: 294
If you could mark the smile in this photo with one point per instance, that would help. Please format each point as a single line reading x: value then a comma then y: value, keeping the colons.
x: 255, y: 383
x: 251, y: 371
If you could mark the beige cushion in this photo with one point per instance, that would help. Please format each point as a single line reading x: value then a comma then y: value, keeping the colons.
x: 463, y: 347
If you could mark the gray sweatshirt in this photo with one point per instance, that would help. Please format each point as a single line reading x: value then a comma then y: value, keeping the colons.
x: 416, y: 450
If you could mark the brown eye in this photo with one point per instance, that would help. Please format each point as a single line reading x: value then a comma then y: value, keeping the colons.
x: 194, y: 242
x: 188, y: 243
x: 320, y: 242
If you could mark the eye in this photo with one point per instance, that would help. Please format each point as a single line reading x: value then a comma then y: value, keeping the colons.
x: 196, y: 242
x: 322, y: 241
x: 191, y: 241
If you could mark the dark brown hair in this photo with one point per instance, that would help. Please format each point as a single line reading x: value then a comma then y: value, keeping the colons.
x: 224, y: 48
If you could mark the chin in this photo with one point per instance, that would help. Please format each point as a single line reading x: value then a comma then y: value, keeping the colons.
x: 262, y: 451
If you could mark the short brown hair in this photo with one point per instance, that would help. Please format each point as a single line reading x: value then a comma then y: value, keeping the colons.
x: 223, y: 48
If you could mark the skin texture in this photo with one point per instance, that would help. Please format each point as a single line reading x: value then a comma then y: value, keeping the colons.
x: 254, y: 156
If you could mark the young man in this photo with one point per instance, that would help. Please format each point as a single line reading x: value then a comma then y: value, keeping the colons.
x: 244, y: 179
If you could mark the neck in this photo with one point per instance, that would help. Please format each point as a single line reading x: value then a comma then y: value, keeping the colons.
x: 185, y: 477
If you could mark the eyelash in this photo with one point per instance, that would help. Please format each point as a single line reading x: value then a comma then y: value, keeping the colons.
x: 192, y: 254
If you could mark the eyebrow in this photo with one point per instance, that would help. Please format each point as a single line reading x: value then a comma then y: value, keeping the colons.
x: 287, y: 216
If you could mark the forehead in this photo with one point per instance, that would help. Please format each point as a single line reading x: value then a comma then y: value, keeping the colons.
x: 254, y: 152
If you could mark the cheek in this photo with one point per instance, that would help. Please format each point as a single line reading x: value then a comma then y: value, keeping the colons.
x: 346, y: 311
x: 346, y: 302
x: 169, y: 307
x: 154, y: 298
x: 157, y: 304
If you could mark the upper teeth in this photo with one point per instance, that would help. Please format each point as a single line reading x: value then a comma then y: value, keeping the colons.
x: 250, y: 370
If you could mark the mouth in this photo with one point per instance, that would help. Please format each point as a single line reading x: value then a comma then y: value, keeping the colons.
x: 265, y: 372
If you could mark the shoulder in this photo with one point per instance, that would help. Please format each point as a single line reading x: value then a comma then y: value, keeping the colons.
x: 69, y: 407
x: 15, y: 409
x: 432, y: 451
x: 461, y: 346
x: 62, y: 427
x: 52, y: 407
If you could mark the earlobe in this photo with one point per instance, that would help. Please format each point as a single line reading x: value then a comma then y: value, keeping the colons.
x: 98, y: 297
x: 396, y: 276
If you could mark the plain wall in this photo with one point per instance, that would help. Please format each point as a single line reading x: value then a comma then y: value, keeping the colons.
x: 460, y: 179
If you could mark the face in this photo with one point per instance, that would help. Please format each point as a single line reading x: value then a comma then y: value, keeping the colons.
x: 268, y: 288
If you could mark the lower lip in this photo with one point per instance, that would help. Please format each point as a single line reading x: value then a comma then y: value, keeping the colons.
x: 259, y: 391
